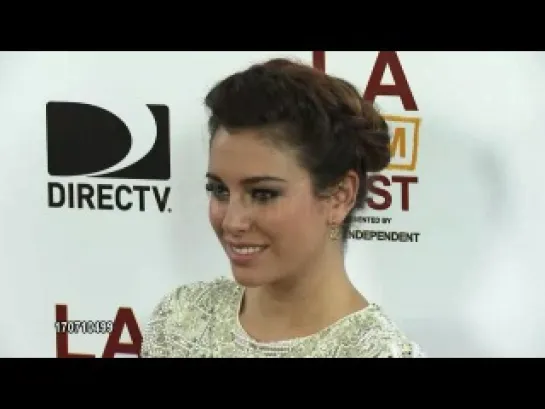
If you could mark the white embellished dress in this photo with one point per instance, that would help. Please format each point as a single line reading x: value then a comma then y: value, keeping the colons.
x: 201, y: 320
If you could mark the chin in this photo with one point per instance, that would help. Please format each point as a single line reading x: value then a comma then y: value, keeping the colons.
x: 248, y: 277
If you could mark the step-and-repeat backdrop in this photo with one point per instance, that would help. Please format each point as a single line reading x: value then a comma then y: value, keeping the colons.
x: 450, y: 244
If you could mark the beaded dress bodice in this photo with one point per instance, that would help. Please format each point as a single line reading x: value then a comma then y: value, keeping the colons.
x: 201, y: 320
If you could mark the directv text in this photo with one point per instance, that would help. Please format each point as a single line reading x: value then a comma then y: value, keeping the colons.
x: 107, y: 196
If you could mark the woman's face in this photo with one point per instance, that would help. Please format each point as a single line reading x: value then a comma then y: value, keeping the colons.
x: 263, y: 209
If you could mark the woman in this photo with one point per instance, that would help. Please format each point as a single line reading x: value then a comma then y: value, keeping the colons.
x: 289, y: 154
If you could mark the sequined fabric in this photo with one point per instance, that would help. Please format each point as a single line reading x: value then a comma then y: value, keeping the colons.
x: 201, y: 320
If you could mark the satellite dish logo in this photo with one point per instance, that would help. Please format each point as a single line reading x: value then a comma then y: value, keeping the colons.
x: 90, y: 141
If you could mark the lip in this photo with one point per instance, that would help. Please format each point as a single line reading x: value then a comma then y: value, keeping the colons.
x: 243, y: 259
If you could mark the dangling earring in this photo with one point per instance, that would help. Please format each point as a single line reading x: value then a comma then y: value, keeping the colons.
x: 335, y: 232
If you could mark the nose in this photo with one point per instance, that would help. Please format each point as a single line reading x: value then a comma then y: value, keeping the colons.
x: 237, y: 219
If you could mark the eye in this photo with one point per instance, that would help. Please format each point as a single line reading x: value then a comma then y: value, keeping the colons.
x: 217, y: 190
x: 264, y: 195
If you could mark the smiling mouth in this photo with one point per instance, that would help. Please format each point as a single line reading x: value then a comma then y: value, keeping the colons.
x: 247, y: 250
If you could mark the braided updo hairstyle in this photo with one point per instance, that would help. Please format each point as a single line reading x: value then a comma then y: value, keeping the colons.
x: 323, y: 118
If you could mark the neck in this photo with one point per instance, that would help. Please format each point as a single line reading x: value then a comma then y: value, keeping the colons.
x: 312, y: 300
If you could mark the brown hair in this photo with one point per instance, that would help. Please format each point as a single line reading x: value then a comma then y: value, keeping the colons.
x: 322, y: 117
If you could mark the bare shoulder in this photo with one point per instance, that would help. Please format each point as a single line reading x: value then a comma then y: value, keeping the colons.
x: 183, y: 310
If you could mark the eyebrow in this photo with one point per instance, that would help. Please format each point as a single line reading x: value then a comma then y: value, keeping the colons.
x: 250, y: 180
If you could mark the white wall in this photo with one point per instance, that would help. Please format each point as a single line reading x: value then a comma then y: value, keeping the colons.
x: 471, y: 285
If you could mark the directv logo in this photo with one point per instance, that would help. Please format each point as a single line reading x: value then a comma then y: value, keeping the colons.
x: 88, y: 141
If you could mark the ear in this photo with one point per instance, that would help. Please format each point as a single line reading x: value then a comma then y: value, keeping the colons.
x: 343, y: 197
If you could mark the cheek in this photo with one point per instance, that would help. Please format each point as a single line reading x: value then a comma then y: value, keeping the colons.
x: 291, y: 220
x: 215, y: 214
